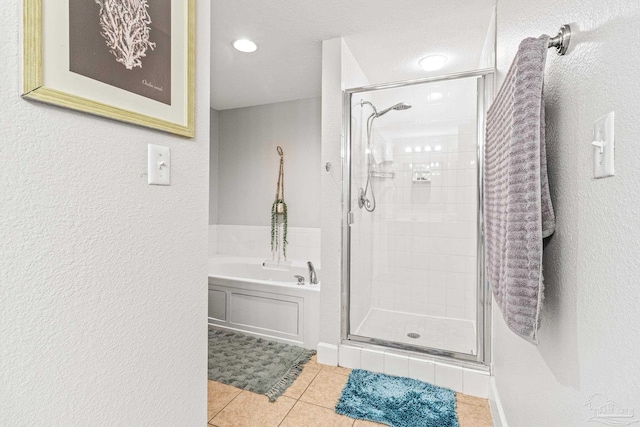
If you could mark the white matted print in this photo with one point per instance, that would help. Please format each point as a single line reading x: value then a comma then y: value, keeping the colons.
x: 131, y: 60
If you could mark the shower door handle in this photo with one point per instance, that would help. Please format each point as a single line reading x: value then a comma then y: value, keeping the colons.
x: 350, y: 218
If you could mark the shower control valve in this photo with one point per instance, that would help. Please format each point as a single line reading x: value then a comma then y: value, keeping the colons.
x: 300, y: 279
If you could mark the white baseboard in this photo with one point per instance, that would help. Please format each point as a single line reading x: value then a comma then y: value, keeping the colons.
x: 497, y: 412
x: 328, y: 354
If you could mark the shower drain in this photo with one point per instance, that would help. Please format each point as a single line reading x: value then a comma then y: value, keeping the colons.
x: 413, y: 335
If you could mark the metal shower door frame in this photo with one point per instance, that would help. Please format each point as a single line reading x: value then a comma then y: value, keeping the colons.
x: 482, y: 358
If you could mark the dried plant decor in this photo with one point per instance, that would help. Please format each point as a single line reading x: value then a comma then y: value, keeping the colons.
x: 279, y: 217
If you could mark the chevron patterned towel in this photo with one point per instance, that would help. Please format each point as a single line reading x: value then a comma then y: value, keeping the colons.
x: 518, y: 210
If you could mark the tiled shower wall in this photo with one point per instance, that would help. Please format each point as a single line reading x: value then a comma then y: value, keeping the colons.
x: 425, y: 245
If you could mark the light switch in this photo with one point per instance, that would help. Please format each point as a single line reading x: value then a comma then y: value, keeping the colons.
x: 159, y: 165
x: 603, y: 146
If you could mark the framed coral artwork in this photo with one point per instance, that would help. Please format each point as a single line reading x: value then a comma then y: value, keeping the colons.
x: 129, y: 60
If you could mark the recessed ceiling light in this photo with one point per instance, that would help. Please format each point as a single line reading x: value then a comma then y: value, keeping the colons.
x: 435, y: 96
x: 433, y: 62
x: 244, y: 45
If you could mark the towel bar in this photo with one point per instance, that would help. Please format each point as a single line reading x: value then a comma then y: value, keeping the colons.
x: 561, y: 40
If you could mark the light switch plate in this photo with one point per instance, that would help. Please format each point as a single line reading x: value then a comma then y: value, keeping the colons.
x: 603, y: 146
x: 159, y: 165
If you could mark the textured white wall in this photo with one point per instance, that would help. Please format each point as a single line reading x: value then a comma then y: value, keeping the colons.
x: 340, y: 70
x: 103, y: 277
x: 590, y: 334
x: 249, y: 162
x: 213, y: 167
x: 330, y: 224
x: 488, y: 54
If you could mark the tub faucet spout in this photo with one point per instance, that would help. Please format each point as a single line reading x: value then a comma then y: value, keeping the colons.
x: 313, y: 277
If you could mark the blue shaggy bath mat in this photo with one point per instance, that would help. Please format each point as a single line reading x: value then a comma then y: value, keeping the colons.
x: 396, y: 401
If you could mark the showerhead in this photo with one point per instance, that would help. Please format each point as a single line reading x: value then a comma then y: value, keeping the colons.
x: 399, y: 106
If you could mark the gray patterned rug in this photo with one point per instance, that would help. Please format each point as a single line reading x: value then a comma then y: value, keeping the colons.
x: 254, y: 364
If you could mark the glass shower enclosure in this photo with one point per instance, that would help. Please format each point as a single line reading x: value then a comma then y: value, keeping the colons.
x: 413, y: 222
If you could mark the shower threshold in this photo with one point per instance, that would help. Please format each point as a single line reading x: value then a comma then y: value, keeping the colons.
x: 443, y: 333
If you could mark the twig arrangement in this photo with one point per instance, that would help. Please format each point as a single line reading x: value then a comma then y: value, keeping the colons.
x: 279, y: 216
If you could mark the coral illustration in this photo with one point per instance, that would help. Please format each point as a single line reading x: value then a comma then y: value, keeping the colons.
x: 125, y: 27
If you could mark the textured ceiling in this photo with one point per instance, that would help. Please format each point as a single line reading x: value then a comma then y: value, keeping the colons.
x: 386, y: 37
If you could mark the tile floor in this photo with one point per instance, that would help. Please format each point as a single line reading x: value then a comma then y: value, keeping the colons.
x: 309, y: 402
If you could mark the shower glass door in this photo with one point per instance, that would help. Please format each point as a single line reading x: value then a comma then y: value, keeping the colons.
x: 412, y: 264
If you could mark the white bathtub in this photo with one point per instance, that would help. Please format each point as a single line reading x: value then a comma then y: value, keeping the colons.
x: 246, y: 297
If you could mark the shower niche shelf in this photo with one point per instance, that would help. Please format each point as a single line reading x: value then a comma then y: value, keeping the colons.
x: 421, y: 177
x: 389, y: 175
